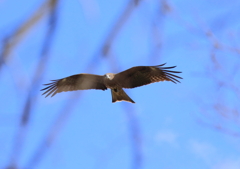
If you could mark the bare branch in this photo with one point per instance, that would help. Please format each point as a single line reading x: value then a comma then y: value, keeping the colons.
x: 22, y: 131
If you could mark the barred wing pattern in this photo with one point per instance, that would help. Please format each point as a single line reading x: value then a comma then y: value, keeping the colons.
x: 143, y: 75
x: 74, y: 82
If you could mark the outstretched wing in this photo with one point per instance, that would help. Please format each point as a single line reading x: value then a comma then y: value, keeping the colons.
x: 143, y: 75
x: 74, y: 82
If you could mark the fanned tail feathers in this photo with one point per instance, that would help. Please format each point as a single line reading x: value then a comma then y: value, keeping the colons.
x: 120, y: 95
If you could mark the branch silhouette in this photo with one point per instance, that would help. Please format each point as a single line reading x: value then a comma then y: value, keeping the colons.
x: 66, y: 111
x: 30, y: 101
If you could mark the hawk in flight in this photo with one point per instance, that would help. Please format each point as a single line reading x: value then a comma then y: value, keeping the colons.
x: 130, y: 78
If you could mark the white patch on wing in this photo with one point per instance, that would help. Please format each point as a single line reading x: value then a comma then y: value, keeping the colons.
x: 153, y: 68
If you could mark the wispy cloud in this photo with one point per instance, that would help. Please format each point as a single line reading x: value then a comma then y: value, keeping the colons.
x: 203, y: 150
x: 210, y: 155
x: 228, y: 164
x: 168, y: 137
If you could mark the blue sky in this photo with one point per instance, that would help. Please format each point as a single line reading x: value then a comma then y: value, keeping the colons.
x: 194, y: 124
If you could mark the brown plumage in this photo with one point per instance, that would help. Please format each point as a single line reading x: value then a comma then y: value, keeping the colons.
x: 130, y: 78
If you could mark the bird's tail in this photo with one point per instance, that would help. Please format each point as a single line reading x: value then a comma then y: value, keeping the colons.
x: 120, y: 95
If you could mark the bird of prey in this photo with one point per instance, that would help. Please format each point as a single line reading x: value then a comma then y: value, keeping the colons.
x: 130, y: 78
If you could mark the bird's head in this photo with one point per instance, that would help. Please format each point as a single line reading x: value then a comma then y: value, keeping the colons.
x: 110, y: 76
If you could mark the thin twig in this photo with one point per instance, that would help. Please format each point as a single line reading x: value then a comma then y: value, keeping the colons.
x: 22, y: 131
x: 11, y: 41
x: 67, y: 110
